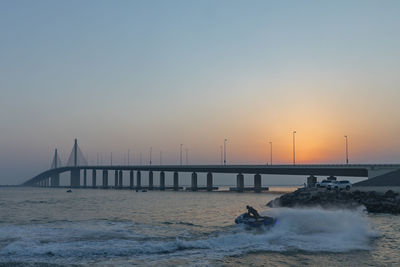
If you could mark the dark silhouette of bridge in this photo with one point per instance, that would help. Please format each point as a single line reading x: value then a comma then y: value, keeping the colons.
x: 77, y: 164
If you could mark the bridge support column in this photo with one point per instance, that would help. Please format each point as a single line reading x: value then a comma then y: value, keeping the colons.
x: 138, y: 180
x: 257, y: 183
x: 120, y: 179
x: 55, y: 180
x: 84, y: 178
x: 131, y: 177
x: 105, y: 179
x: 194, y: 181
x: 116, y: 179
x: 176, y: 181
x: 240, y: 182
x: 94, y: 178
x: 75, y: 177
x: 209, y: 181
x: 151, y: 183
x: 162, y: 181
x: 311, y: 181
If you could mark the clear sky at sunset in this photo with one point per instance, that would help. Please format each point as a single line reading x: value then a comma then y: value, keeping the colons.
x: 122, y: 75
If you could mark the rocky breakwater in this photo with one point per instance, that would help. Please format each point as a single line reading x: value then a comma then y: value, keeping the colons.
x: 375, y: 202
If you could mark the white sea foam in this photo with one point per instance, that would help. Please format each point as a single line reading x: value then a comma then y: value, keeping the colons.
x: 296, y: 230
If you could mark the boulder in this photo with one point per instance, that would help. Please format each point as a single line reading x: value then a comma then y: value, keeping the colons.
x: 388, y: 202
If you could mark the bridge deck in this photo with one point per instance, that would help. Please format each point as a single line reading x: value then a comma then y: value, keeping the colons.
x: 350, y: 170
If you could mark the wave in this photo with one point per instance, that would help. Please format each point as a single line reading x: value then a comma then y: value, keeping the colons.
x: 311, y: 230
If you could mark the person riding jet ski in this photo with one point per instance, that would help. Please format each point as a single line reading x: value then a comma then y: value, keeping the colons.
x: 252, y: 212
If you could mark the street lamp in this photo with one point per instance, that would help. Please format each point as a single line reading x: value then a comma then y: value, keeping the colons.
x: 225, y: 151
x: 221, y: 155
x: 347, y: 150
x: 294, y: 147
x: 270, y: 144
x: 150, y: 154
x: 181, y: 153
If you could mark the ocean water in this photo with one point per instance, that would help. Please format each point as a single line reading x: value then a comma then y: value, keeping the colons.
x: 47, y: 226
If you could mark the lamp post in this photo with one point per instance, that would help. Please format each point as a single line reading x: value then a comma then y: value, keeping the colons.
x: 347, y: 150
x: 160, y: 157
x: 151, y: 149
x: 181, y: 154
x: 225, y: 151
x: 128, y: 155
x: 220, y: 147
x: 270, y: 144
x: 294, y: 147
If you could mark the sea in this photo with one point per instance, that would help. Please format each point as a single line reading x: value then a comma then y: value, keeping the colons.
x: 97, y: 227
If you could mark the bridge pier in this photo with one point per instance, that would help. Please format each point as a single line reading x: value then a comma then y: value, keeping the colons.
x: 240, y: 182
x: 94, y: 178
x: 120, y: 179
x: 84, y: 178
x: 151, y: 184
x: 105, y: 179
x: 55, y: 180
x: 176, y: 181
x: 194, y: 182
x: 311, y: 181
x: 257, y: 183
x: 162, y: 181
x: 75, y: 177
x: 115, y: 179
x: 138, y: 180
x: 209, y: 181
x: 131, y: 177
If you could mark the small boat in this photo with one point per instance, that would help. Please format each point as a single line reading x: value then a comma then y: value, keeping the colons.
x: 69, y: 191
x: 144, y: 190
x: 245, y: 218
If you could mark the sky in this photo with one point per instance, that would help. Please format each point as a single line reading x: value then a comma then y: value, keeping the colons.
x: 130, y: 75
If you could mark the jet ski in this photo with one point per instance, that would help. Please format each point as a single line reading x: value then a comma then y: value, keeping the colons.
x: 245, y: 218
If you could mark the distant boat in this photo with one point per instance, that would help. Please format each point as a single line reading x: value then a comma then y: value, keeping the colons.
x: 69, y: 191
x: 144, y: 190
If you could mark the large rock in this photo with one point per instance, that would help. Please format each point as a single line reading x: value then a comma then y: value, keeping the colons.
x: 373, y: 201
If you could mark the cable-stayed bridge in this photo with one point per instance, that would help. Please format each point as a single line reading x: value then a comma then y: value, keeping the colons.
x: 78, y: 166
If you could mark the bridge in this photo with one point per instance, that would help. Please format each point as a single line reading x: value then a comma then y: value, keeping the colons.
x: 77, y: 165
